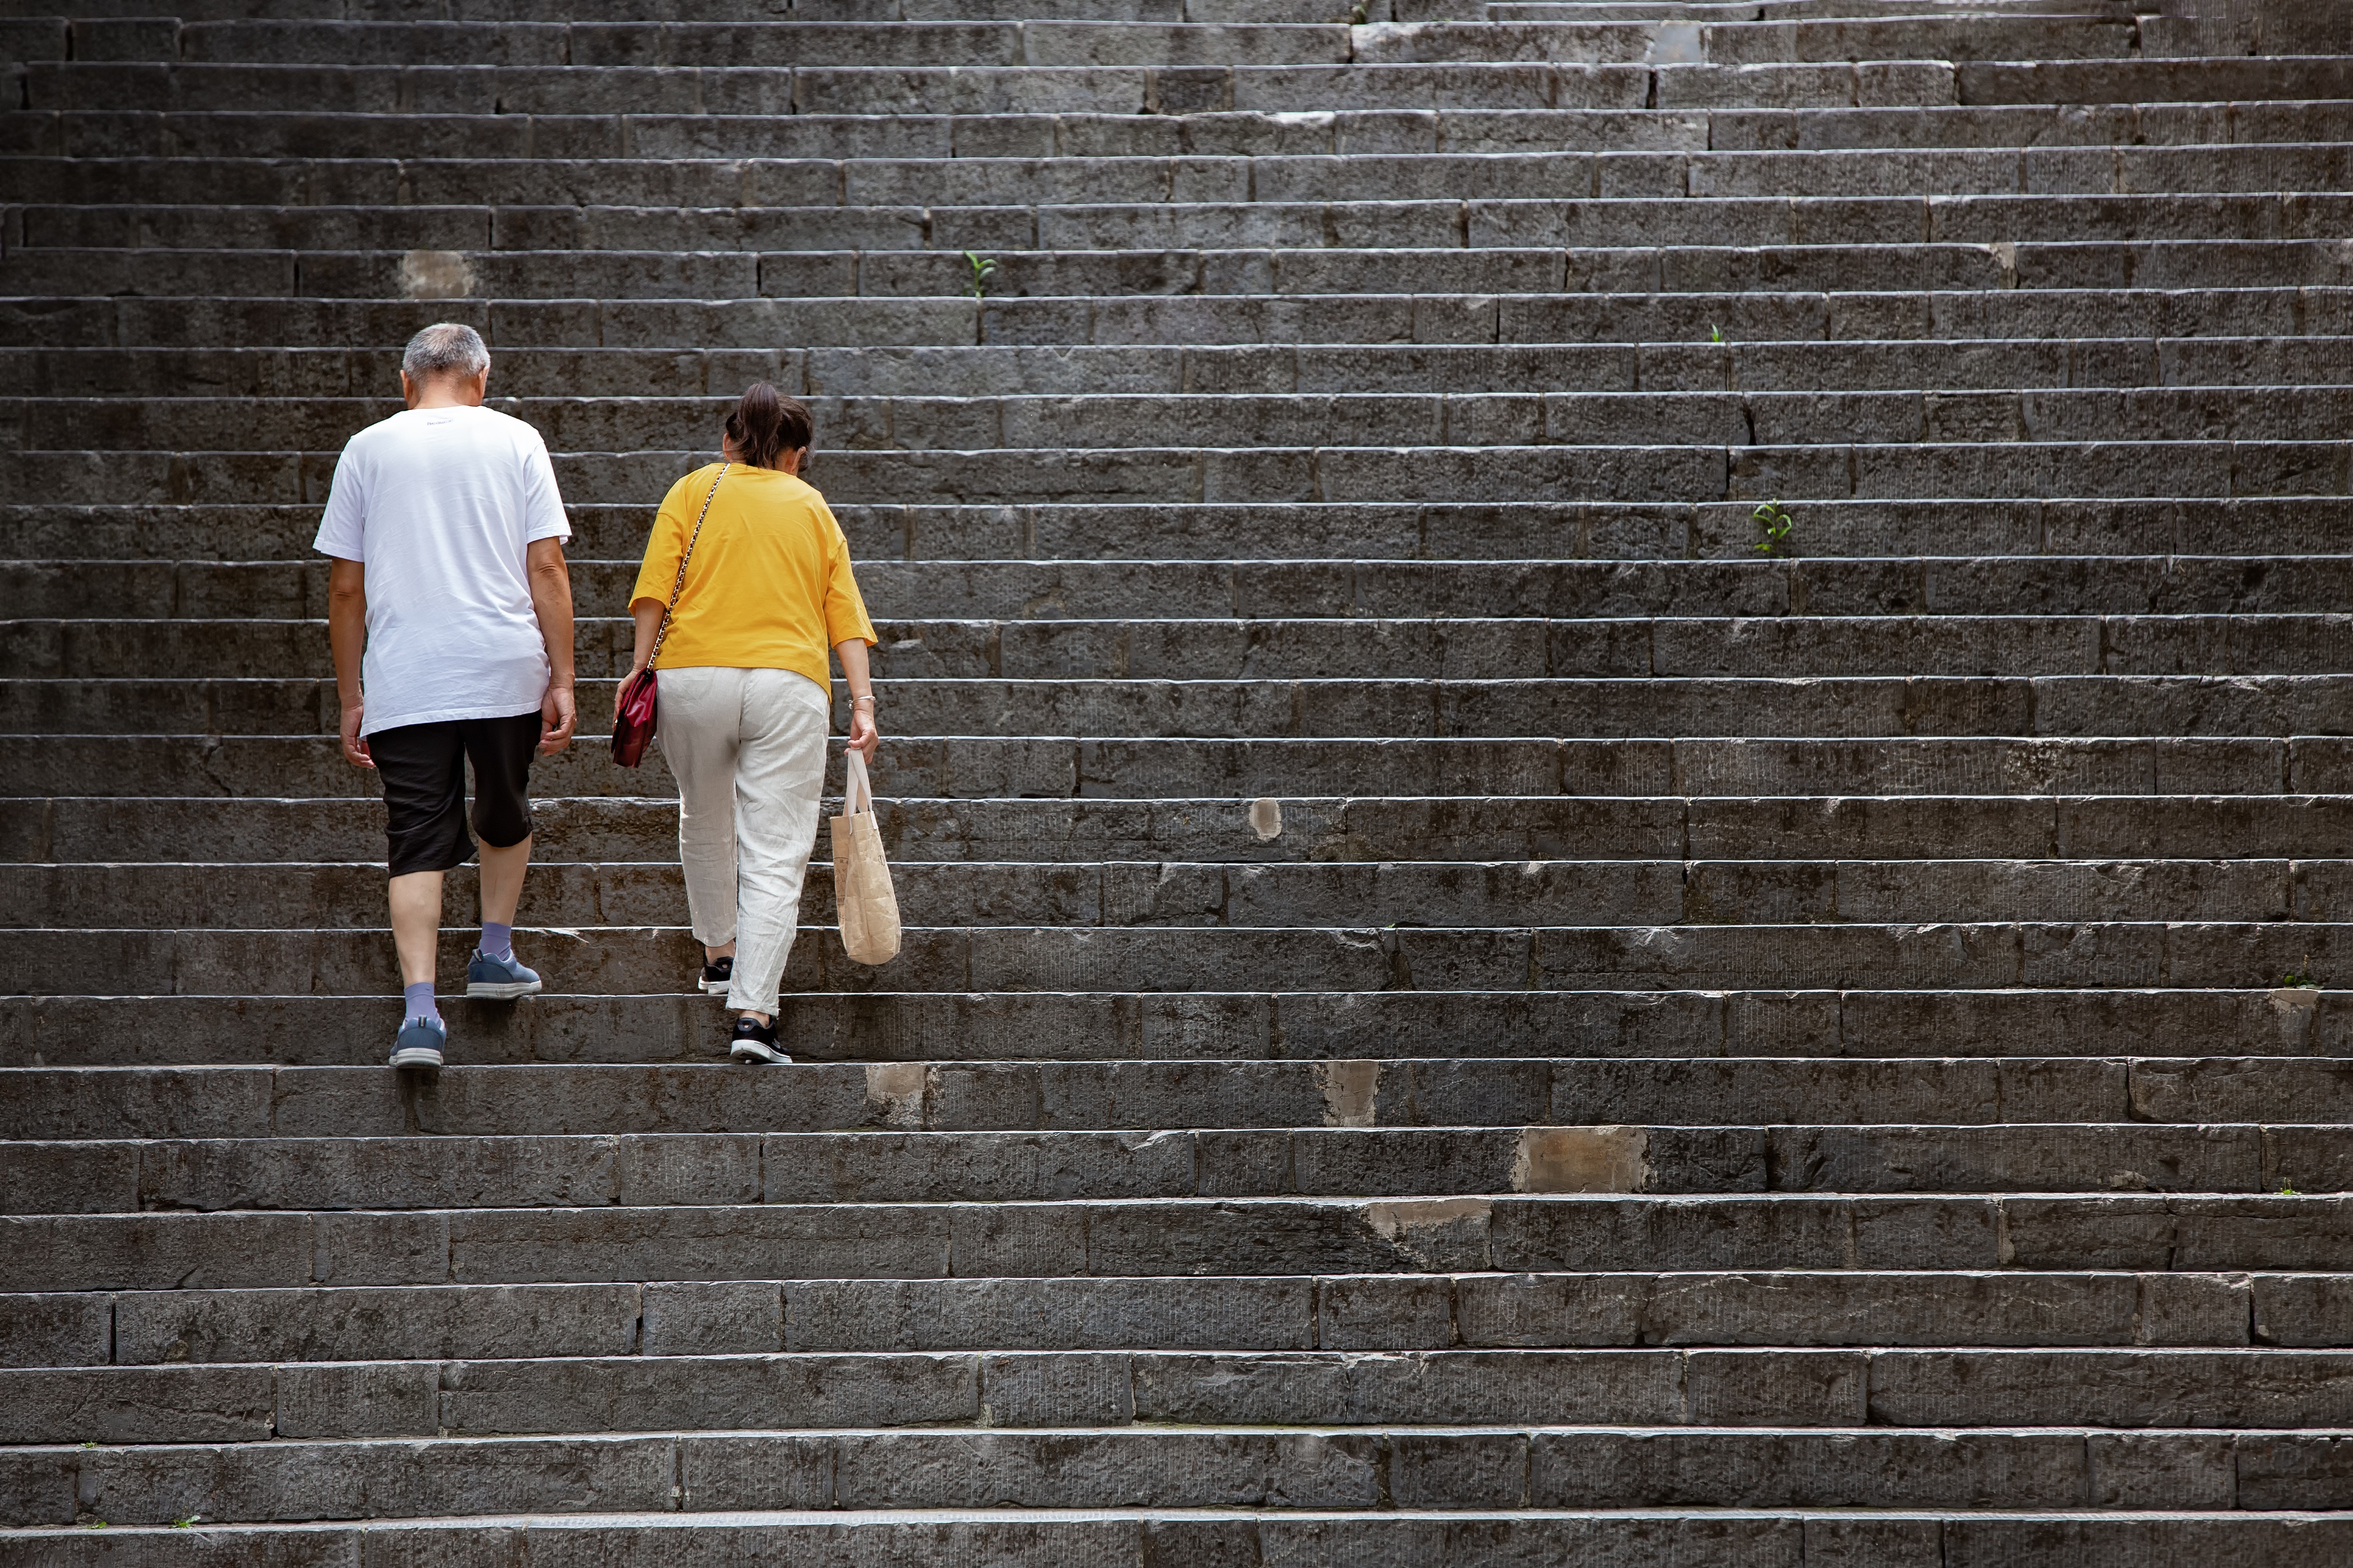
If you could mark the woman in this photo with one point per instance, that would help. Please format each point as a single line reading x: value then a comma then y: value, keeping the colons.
x: 746, y: 694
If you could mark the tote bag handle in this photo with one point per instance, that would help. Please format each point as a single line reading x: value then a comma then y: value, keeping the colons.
x: 857, y: 788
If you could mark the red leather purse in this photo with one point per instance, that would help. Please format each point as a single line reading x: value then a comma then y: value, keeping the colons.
x: 633, y: 726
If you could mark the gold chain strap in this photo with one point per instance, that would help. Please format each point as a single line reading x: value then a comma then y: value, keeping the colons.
x: 676, y: 588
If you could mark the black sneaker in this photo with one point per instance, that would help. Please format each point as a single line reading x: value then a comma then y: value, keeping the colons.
x: 755, y: 1042
x: 715, y: 976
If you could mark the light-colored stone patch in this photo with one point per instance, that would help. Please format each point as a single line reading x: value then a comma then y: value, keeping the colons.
x: 1403, y: 1216
x: 1437, y: 1235
x: 436, y: 274
x: 1349, y: 1088
x: 1678, y: 44
x: 895, y: 1089
x: 1582, y: 1160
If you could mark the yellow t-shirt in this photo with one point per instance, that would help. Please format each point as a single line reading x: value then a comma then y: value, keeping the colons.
x: 769, y: 586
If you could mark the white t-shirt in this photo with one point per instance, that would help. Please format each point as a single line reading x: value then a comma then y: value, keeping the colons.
x: 440, y: 504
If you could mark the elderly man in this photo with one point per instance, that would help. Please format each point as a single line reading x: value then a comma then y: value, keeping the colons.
x: 447, y: 539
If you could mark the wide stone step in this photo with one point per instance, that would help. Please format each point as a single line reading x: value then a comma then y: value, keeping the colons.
x: 1071, y: 534
x: 1004, y: 1538
x: 1854, y: 707
x: 106, y: 17
x: 1152, y: 1097
x: 2000, y: 470
x: 132, y: 895
x: 1410, y: 1237
x: 1212, y: 589
x: 2222, y: 1389
x: 975, y: 90
x: 1987, y: 367
x: 631, y: 43
x: 1523, y: 170
x: 1837, y: 1308
x: 490, y: 88
x: 626, y: 203
x: 268, y: 251
x: 1022, y: 775
x: 1051, y: 43
x: 57, y: 126
x: 102, y: 1176
x: 1365, y: 648
x: 621, y: 205
x: 1923, y: 826
x: 66, y: 319
x: 1101, y: 421
x: 1375, y: 1470
x: 899, y: 1027
x: 1049, y: 182
x: 618, y: 959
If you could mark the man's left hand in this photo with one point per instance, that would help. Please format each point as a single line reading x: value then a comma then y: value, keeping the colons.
x: 557, y: 715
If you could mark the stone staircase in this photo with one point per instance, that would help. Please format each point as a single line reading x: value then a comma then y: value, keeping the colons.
x: 1748, y: 1047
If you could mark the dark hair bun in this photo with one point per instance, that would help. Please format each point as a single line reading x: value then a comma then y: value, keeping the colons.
x: 766, y: 424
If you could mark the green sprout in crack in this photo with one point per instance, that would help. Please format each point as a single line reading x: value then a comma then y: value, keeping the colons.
x: 2289, y: 1193
x: 1714, y: 334
x: 1773, y: 519
x: 984, y: 268
x: 188, y: 1523
x: 2298, y: 980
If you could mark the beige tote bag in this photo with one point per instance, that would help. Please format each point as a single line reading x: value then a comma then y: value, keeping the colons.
x: 867, y: 906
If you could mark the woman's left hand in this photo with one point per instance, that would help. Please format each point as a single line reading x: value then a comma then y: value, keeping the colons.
x: 864, y: 738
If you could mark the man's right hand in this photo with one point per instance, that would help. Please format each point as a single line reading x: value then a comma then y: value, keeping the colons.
x: 355, y: 746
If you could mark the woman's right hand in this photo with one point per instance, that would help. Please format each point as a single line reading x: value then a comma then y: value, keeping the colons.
x: 622, y: 690
x: 864, y: 738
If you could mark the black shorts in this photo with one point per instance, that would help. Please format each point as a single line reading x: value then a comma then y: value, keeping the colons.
x: 424, y: 771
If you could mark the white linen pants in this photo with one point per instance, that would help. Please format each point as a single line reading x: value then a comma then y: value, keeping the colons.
x: 747, y: 747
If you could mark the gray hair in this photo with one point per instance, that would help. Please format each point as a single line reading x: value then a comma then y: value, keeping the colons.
x: 446, y: 348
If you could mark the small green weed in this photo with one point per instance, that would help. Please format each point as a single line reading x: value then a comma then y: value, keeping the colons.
x: 984, y: 268
x: 95, y: 1524
x: 188, y: 1523
x: 2289, y: 1193
x: 2297, y: 980
x: 91, y: 1444
x: 1775, y: 520
x: 1357, y: 14
x: 1714, y: 334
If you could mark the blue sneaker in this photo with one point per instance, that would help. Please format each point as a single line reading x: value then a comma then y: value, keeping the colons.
x: 419, y: 1042
x: 500, y: 979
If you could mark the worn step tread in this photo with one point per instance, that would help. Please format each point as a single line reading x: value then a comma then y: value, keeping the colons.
x: 1424, y: 1466
x: 1807, y: 1309
x: 1935, y: 1389
x: 902, y: 1028
x: 104, y: 1173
